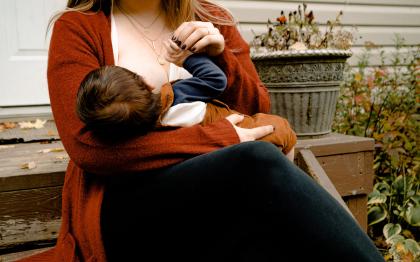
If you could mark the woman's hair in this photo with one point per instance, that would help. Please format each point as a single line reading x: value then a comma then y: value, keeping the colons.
x: 114, y: 101
x: 177, y: 11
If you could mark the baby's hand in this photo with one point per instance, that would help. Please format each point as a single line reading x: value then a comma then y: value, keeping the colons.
x: 175, y: 54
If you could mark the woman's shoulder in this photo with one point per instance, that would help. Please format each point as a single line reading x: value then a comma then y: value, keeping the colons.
x: 221, y: 17
x: 77, y: 18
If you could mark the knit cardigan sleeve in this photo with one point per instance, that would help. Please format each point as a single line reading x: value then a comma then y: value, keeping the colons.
x: 245, y: 92
x: 75, y: 50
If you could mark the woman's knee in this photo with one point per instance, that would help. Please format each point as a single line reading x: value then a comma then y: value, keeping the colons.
x: 261, y: 154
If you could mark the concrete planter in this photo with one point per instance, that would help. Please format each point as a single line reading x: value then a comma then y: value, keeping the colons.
x: 304, y: 86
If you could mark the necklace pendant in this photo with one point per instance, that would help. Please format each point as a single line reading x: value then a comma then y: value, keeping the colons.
x: 161, y: 60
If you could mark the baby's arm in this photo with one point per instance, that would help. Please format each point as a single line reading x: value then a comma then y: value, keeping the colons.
x: 208, y: 79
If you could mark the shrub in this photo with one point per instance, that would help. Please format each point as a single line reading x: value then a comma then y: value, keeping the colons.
x: 383, y: 102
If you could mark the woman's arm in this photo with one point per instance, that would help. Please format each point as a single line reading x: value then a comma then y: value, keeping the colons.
x: 75, y: 50
x: 207, y: 83
x: 245, y: 92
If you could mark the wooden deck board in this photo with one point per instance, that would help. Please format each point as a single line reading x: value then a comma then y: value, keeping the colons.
x: 337, y: 143
x: 49, y: 170
x: 19, y: 255
x: 29, y: 216
x: 30, y: 199
x: 19, y: 135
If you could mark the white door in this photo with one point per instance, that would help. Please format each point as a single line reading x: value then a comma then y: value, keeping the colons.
x: 23, y: 50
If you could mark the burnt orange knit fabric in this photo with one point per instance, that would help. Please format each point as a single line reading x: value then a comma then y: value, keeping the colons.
x: 283, y: 136
x: 81, y: 43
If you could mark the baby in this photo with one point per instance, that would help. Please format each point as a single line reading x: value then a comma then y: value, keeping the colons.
x: 113, y: 100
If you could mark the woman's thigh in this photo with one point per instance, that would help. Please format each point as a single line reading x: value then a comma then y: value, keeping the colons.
x: 246, y: 202
x: 203, y: 207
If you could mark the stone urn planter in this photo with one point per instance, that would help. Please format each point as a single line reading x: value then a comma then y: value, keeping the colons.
x: 304, y: 86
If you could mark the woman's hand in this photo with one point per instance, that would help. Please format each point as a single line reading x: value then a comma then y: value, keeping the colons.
x: 198, y: 36
x: 174, y: 54
x: 246, y: 134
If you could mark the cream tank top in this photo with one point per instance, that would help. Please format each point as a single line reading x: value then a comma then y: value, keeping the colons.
x: 182, y: 115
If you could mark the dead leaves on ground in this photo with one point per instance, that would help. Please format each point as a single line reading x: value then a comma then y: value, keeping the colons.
x: 49, y: 150
x: 37, y: 124
x: 7, y: 125
x: 29, y: 165
x: 57, y: 159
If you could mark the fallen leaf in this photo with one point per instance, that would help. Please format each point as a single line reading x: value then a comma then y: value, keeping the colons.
x: 6, y: 146
x: 38, y: 124
x: 49, y: 150
x: 29, y: 165
x: 60, y: 159
x: 51, y: 133
x: 7, y: 125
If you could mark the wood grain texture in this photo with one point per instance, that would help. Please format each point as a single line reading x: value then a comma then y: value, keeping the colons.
x: 18, y: 135
x: 308, y: 162
x: 358, y: 207
x: 29, y: 216
x: 348, y: 172
x: 49, y: 170
x: 20, y: 255
x: 376, y: 21
x: 260, y: 11
x: 409, y: 3
x: 334, y: 144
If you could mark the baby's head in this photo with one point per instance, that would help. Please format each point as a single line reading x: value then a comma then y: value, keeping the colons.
x: 114, y: 101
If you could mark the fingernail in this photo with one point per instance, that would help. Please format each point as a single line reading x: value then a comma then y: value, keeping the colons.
x: 178, y: 42
x: 173, y: 38
x: 183, y: 46
x: 193, y: 49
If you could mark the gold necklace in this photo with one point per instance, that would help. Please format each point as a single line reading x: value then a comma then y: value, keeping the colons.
x: 138, y: 24
x: 159, y: 57
x: 145, y: 28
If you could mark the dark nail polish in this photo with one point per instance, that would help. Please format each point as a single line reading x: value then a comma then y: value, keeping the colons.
x: 178, y: 42
x: 183, y: 46
x: 193, y: 49
x: 173, y: 38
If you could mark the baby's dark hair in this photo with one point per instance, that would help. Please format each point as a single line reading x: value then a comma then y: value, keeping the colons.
x: 115, y: 101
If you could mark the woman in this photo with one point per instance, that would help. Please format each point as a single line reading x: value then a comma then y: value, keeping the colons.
x: 196, y: 193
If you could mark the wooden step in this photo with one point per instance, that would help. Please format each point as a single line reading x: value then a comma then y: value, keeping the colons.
x: 30, y: 199
x: 32, y: 167
x: 20, y: 255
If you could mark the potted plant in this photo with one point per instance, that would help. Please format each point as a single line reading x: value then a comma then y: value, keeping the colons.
x: 302, y: 68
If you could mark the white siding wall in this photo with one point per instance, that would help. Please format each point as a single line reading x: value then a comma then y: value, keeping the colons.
x: 376, y: 20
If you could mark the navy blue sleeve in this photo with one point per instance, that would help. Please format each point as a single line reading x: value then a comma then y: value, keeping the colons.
x: 208, y: 81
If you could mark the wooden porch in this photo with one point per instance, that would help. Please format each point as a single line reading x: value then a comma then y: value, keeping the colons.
x: 33, y: 163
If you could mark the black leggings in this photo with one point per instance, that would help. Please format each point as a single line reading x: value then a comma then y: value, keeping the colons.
x: 246, y: 202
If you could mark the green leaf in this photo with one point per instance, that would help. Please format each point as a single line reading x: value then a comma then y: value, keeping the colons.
x: 376, y: 214
x: 376, y: 198
x: 412, y: 215
x: 412, y: 246
x: 416, y: 199
x: 391, y: 230
x: 408, y: 146
x: 383, y: 187
x: 395, y: 239
x: 398, y: 184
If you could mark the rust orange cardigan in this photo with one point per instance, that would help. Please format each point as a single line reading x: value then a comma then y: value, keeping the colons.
x: 81, y: 43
